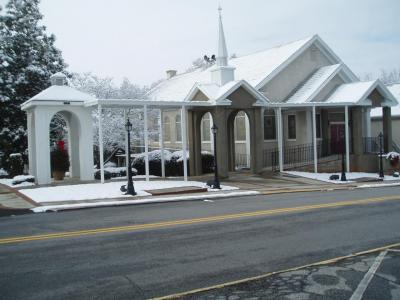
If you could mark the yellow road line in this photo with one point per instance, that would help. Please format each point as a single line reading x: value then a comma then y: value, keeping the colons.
x: 194, y: 221
x: 230, y: 283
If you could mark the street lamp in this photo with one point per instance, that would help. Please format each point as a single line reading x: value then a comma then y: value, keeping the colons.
x: 381, y: 175
x: 215, y: 184
x: 130, y: 188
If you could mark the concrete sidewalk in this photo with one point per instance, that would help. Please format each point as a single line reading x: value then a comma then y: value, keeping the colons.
x: 13, y: 202
x: 246, y: 182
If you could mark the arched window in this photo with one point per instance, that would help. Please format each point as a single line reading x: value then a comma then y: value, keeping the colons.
x: 206, y: 127
x: 167, y: 129
x: 178, y: 128
x: 240, y: 126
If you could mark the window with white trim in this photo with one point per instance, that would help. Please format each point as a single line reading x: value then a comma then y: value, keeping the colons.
x: 269, y: 126
x: 291, y: 127
x: 178, y: 128
x: 167, y: 129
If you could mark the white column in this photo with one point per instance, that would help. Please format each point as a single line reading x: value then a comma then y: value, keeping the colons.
x: 31, y: 147
x: 101, y: 144
x: 314, y: 135
x: 126, y: 143
x: 161, y: 141
x: 42, y: 146
x: 247, y: 141
x: 184, y: 142
x: 280, y: 138
x: 346, y: 122
x: 146, y: 143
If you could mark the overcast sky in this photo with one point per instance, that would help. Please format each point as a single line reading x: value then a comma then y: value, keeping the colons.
x: 141, y: 39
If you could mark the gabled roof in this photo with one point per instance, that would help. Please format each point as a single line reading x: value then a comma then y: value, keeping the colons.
x: 219, y: 95
x: 358, y: 92
x: 395, y: 90
x: 253, y: 68
x: 62, y: 93
x: 314, y: 84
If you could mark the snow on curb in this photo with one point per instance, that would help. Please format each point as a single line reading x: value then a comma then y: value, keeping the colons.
x: 351, y: 176
x: 142, y: 201
x: 377, y: 185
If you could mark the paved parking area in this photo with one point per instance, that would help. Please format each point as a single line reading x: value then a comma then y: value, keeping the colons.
x: 368, y: 276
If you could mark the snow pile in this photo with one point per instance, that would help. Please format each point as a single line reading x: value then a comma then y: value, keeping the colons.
x: 19, y: 181
x: 392, y: 155
x: 104, y: 191
x: 178, y: 155
x: 351, y: 176
x: 154, y: 155
x: 3, y: 172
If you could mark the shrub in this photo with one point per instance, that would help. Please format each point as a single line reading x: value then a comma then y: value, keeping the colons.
x: 107, y: 175
x: 59, y: 160
x: 207, y: 162
x: 15, y: 164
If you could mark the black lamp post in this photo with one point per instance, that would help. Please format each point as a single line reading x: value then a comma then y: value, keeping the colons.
x: 130, y: 188
x: 343, y: 175
x: 381, y: 175
x: 216, y: 185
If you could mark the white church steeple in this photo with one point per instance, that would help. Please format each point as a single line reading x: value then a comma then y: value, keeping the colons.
x: 222, y: 57
x: 222, y: 72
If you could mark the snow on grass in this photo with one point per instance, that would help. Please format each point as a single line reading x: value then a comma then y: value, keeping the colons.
x: 351, y: 176
x: 18, y: 181
x: 142, y: 201
x: 3, y: 172
x: 108, y: 190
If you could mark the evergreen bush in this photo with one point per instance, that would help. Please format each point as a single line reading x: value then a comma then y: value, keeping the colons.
x: 59, y: 160
x: 15, y: 165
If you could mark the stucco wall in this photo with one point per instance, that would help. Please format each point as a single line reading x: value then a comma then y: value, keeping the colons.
x: 328, y: 89
x: 376, y: 128
x: 282, y: 85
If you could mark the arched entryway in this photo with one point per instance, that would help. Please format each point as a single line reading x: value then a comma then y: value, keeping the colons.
x: 207, y: 143
x: 78, y: 120
x: 64, y: 127
x: 239, y: 141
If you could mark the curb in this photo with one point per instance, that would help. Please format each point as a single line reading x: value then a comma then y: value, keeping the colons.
x: 112, y: 203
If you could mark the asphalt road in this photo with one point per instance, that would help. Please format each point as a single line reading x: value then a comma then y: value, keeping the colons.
x: 142, y: 262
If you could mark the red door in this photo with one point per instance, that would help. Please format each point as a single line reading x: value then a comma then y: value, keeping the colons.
x: 337, y: 138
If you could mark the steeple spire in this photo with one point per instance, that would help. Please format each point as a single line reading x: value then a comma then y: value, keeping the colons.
x: 222, y: 73
x: 222, y: 57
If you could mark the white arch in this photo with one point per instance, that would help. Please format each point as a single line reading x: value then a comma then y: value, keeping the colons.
x: 80, y: 126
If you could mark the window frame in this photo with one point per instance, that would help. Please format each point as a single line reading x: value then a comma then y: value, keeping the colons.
x: 266, y: 115
x: 288, y: 128
x: 178, y: 129
x: 167, y: 129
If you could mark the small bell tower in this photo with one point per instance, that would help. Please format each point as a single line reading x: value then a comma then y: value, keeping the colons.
x: 222, y: 73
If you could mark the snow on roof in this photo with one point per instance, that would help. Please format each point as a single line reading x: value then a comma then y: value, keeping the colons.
x: 313, y: 85
x: 395, y: 90
x: 61, y: 93
x: 253, y: 68
x: 350, y: 92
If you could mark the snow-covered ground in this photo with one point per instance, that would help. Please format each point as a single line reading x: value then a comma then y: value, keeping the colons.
x: 351, y: 176
x: 108, y: 190
x: 20, y: 180
x: 207, y: 198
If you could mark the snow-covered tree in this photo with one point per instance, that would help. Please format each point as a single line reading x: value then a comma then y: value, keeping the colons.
x: 113, y: 119
x: 28, y: 58
x: 386, y: 76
